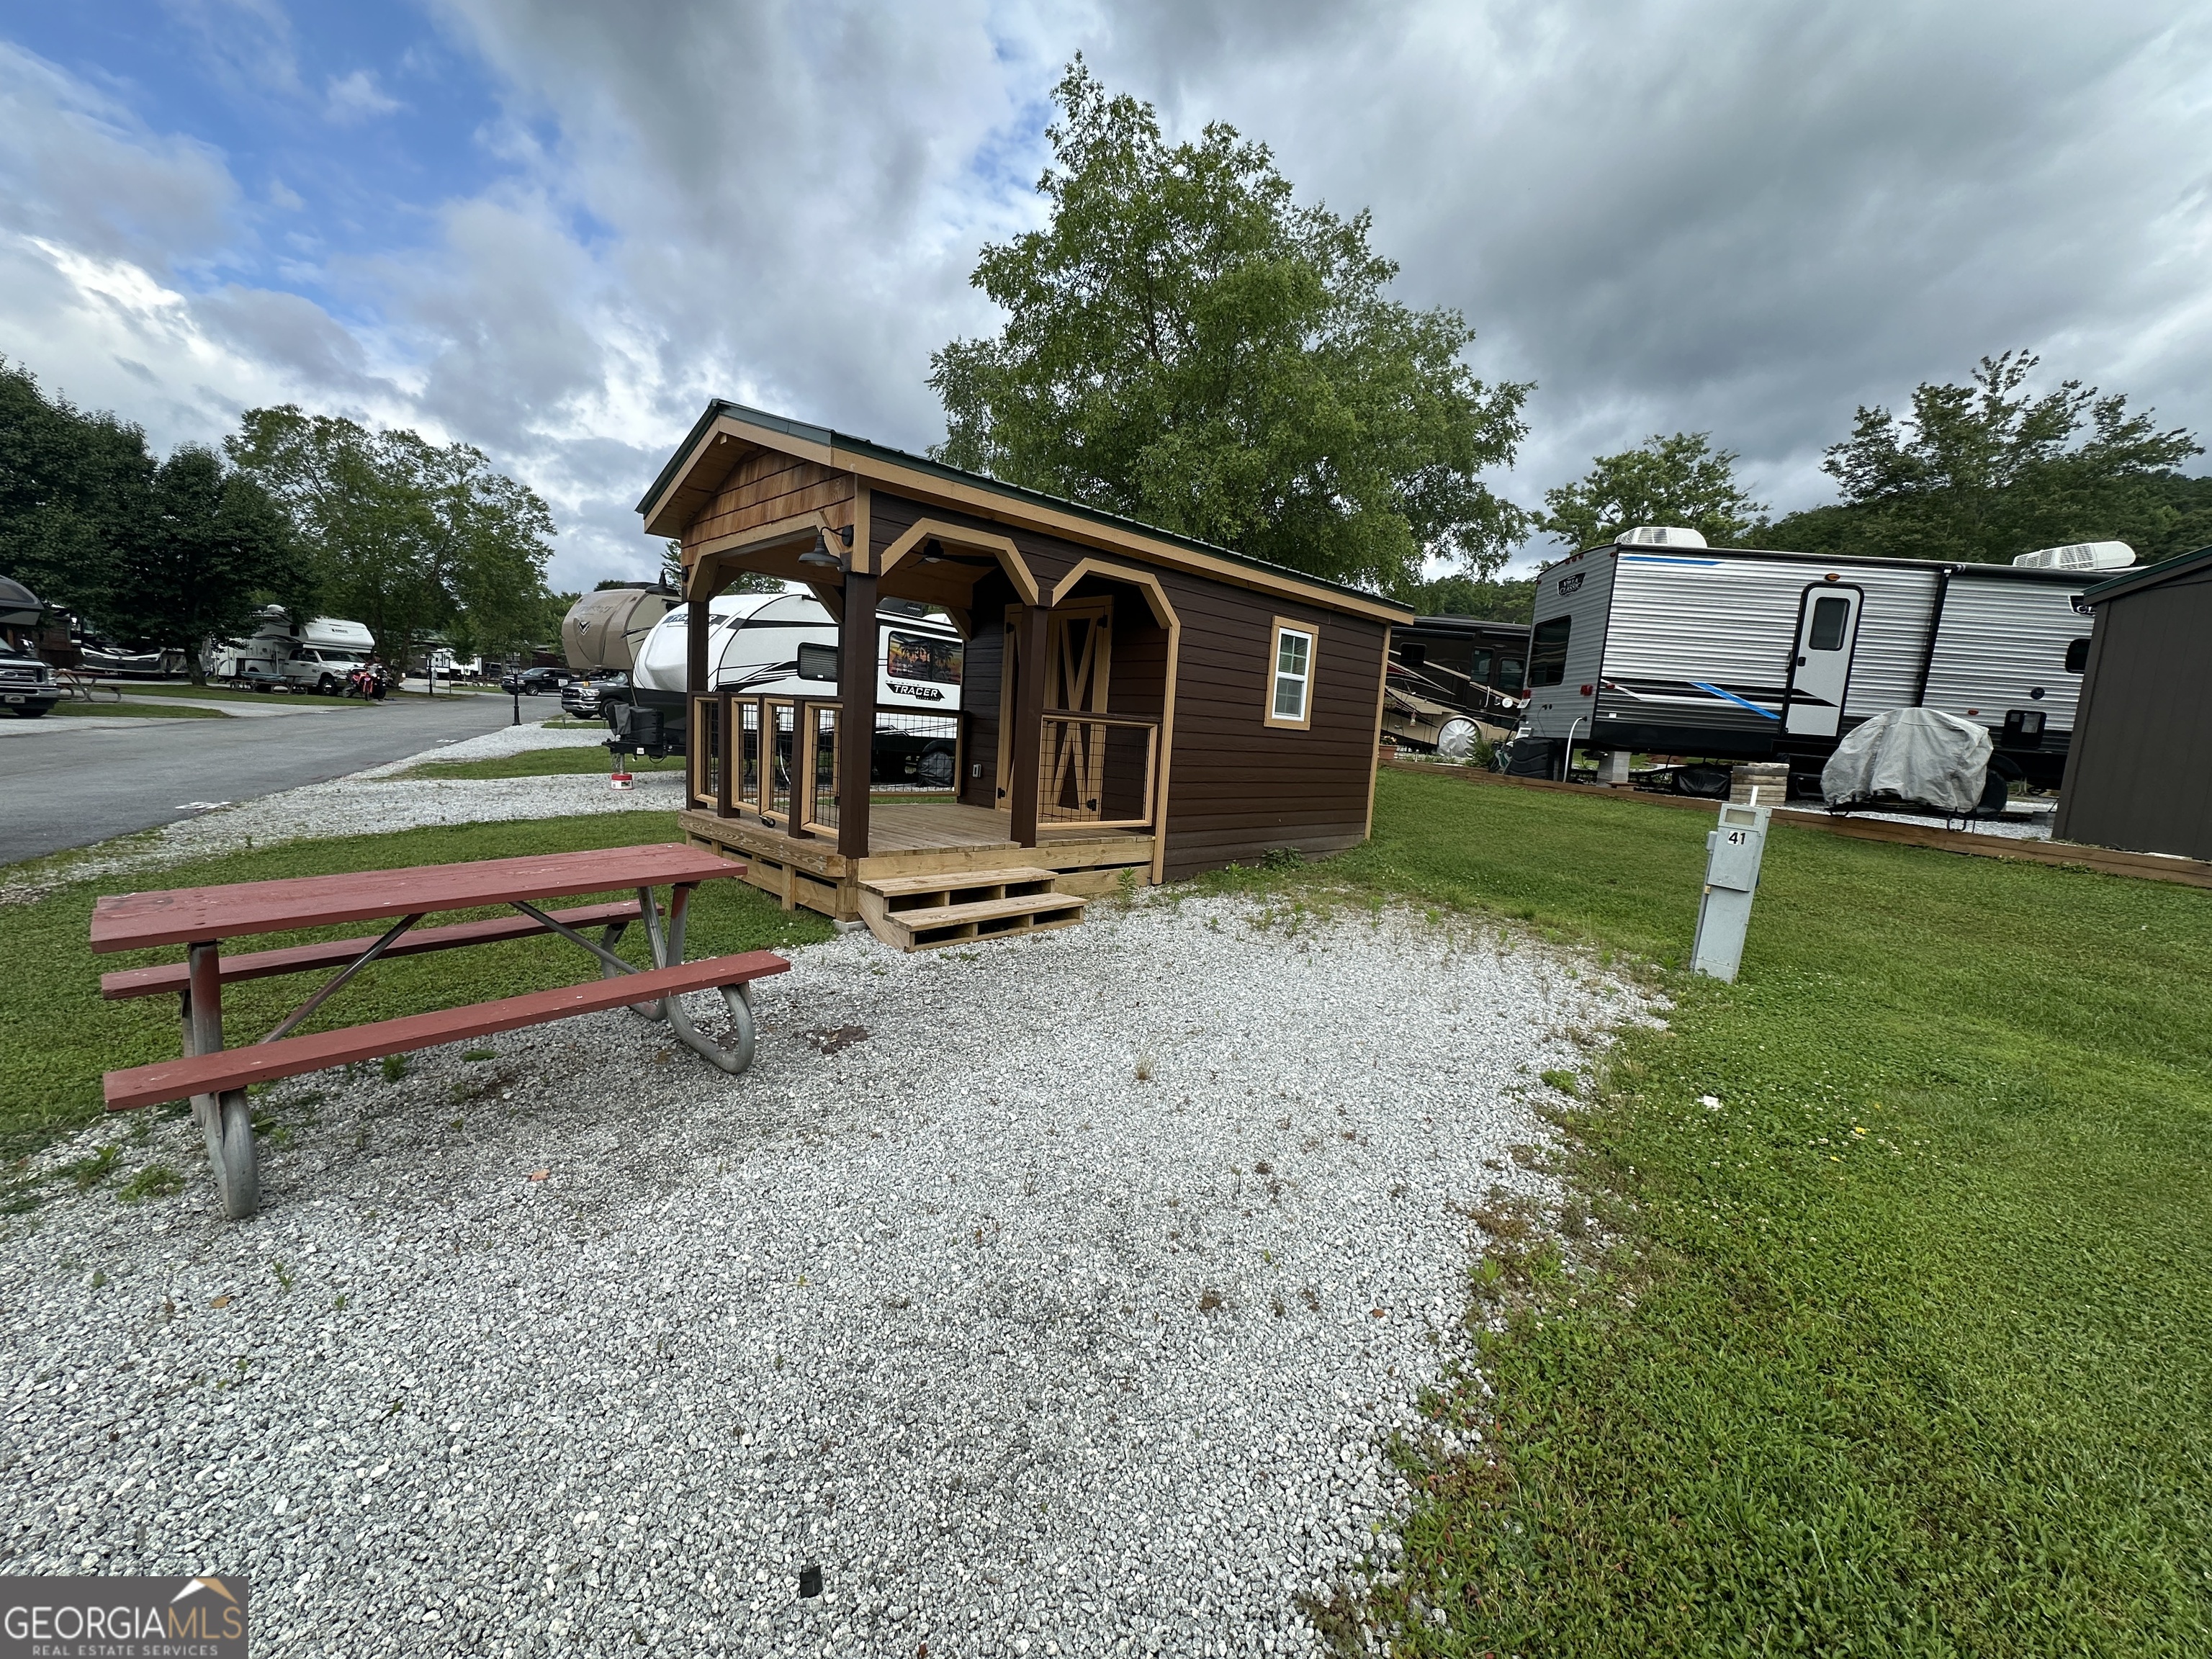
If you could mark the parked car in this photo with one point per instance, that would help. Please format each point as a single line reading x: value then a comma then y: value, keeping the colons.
x: 26, y: 685
x: 587, y: 699
x: 532, y: 681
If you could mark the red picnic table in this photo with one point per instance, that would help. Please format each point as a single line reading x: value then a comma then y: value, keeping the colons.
x: 200, y: 918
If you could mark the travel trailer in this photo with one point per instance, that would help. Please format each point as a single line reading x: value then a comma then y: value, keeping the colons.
x: 785, y: 645
x: 604, y: 630
x: 1658, y: 643
x: 315, y: 656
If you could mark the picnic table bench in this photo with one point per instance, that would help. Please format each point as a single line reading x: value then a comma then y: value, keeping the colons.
x: 215, y: 1079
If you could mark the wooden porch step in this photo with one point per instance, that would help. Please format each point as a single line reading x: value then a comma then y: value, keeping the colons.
x: 903, y: 887
x: 918, y: 913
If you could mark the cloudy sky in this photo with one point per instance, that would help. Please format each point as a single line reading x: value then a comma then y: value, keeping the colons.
x: 555, y: 227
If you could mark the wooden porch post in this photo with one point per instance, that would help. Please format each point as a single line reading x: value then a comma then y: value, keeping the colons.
x: 696, y: 619
x: 856, y: 716
x: 1028, y: 735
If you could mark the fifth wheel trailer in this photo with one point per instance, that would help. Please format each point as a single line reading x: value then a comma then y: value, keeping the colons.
x: 785, y: 645
x: 1658, y: 643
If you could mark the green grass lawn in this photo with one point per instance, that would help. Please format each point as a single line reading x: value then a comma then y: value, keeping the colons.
x: 1907, y: 1347
x: 57, y: 1036
x: 540, y: 763
x: 139, y: 711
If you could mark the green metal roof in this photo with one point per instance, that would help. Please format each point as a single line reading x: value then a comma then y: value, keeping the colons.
x: 2128, y: 580
x: 834, y: 439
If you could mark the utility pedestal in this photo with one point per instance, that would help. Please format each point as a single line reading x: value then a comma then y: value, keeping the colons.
x: 1613, y: 769
x: 1732, y: 856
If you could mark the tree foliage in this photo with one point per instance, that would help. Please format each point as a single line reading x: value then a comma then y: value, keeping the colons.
x: 407, y: 536
x: 73, y: 492
x: 1988, y: 469
x: 165, y: 554
x: 212, y: 548
x: 1486, y: 599
x: 1186, y: 345
x: 1679, y: 480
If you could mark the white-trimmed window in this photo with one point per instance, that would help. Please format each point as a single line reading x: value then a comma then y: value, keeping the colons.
x: 1290, y: 652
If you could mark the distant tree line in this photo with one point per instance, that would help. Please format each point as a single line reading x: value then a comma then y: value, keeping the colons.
x: 1186, y: 345
x: 314, y: 514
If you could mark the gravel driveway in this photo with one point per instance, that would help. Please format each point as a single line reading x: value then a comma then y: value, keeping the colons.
x: 1053, y: 1296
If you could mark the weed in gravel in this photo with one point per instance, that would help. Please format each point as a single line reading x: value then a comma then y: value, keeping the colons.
x: 1566, y: 1082
x: 481, y: 1054
x: 284, y: 1275
x: 1209, y: 1302
x: 394, y: 1067
x: 153, y: 1180
x: 90, y: 1170
x: 1143, y: 1068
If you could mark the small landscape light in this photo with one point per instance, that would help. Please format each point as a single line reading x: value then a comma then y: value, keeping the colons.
x: 810, y: 1580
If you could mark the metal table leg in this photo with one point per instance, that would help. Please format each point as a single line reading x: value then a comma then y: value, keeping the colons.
x: 666, y: 953
x: 225, y: 1120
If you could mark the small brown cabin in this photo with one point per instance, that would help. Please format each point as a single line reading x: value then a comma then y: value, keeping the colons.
x: 2139, y: 769
x: 1134, y: 705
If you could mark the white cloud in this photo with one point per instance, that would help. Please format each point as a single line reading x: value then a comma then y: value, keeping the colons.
x: 1671, y: 214
x: 357, y: 97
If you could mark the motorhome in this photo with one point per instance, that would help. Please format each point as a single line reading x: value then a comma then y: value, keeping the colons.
x: 1657, y: 643
x: 785, y: 645
x: 313, y: 656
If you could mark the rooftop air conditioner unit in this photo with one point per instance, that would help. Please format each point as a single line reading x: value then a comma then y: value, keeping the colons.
x: 1660, y: 535
x: 2080, y: 556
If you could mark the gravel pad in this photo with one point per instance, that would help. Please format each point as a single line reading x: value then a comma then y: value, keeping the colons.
x: 1053, y: 1296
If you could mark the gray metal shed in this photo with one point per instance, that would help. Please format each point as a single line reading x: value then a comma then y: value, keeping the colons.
x: 2139, y: 775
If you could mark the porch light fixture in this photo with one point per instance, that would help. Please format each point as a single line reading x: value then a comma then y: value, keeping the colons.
x: 933, y: 553
x: 820, y: 553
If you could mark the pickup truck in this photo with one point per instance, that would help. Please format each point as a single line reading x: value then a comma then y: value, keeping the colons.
x: 26, y: 685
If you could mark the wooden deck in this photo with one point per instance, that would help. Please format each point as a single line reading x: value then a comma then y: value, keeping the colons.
x: 920, y: 839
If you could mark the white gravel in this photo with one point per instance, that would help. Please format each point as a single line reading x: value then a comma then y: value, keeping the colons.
x: 1065, y: 1312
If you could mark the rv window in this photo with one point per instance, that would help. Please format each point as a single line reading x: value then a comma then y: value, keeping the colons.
x: 1547, y: 653
x: 1413, y: 656
x: 919, y: 657
x: 817, y: 662
x: 1478, y: 668
x: 1290, y: 698
x: 1508, y: 675
x: 2077, y: 656
x: 1830, y: 612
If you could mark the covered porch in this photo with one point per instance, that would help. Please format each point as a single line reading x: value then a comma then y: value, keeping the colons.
x: 1054, y: 758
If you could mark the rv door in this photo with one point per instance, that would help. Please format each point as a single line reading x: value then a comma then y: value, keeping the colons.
x: 1821, y: 671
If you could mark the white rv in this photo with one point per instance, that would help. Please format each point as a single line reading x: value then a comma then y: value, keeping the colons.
x: 1658, y: 643
x: 785, y: 645
x: 316, y: 656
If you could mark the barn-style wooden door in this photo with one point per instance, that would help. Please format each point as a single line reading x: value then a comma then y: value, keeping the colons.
x: 1078, y: 673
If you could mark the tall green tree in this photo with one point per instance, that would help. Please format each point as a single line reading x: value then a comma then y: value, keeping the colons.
x: 407, y: 538
x: 1666, y: 480
x: 213, y: 548
x: 1186, y: 345
x: 1486, y: 599
x: 1990, y: 469
x: 73, y: 494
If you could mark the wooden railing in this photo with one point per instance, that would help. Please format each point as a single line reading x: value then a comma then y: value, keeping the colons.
x: 775, y: 758
x: 1097, y: 770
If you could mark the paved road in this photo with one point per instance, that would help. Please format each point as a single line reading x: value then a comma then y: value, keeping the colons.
x: 71, y: 780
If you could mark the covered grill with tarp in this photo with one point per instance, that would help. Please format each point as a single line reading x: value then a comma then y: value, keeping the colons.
x: 1914, y: 758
